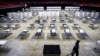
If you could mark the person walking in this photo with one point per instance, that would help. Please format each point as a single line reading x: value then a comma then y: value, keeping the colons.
x: 76, y: 48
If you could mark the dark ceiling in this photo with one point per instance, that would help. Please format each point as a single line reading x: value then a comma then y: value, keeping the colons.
x: 20, y: 3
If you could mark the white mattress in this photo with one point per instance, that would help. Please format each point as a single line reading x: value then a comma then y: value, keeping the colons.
x: 25, y: 30
x: 88, y: 17
x: 7, y: 30
x: 53, y: 19
x: 2, y: 42
x: 93, y: 19
x: 67, y: 30
x: 53, y: 30
x: 98, y: 41
x: 12, y: 19
x: 95, y: 25
x: 4, y: 25
x: 24, y: 19
x: 52, y: 25
x: 65, y: 25
x: 81, y: 31
x: 39, y: 30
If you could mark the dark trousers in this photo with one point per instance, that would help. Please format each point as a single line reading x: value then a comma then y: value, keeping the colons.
x: 75, y: 52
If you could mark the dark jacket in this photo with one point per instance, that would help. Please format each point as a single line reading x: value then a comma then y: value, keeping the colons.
x: 76, y: 47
